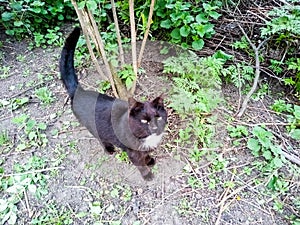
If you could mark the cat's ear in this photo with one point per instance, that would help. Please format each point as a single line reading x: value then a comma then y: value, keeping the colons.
x: 158, y: 102
x: 135, y: 106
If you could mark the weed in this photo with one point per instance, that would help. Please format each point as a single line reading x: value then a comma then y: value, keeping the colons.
x: 242, y: 44
x: 122, y: 156
x: 5, y: 142
x: 16, y: 186
x: 45, y: 95
x: 127, y: 76
x: 33, y: 132
x: 237, y: 132
x: 276, y: 66
x: 262, y: 145
x: 34, y: 17
x: 4, y: 72
x: 238, y: 74
x: 280, y: 106
x: 52, y: 214
x: 187, y: 24
x: 103, y: 86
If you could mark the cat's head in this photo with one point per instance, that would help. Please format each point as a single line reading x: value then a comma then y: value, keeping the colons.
x: 147, y: 118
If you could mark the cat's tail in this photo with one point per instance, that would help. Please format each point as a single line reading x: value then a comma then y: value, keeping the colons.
x: 66, y: 63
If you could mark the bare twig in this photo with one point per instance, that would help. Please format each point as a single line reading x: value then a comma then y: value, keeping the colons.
x: 90, y: 30
x: 133, y: 44
x: 100, y: 45
x: 146, y: 33
x: 121, y: 52
x: 257, y: 71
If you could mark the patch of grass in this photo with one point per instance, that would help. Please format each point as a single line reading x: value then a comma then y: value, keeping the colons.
x: 52, y: 214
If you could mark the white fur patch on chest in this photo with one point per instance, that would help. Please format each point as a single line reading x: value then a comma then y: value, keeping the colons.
x: 152, y: 141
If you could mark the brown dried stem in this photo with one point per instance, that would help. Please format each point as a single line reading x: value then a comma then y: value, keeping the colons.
x: 257, y: 71
x: 121, y: 52
x: 133, y: 44
x: 146, y: 33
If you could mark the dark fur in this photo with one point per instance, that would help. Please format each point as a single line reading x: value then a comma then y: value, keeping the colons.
x: 113, y: 121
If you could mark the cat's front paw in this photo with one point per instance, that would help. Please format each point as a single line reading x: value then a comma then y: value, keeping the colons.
x: 149, y: 176
x: 151, y: 162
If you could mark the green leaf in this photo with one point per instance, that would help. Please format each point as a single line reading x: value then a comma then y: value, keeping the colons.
x: 254, y: 146
x: 3, y: 205
x: 96, y: 208
x: 21, y: 147
x: 175, y: 34
x: 10, y: 32
x: 42, y: 126
x: 297, y: 111
x: 7, y: 16
x: 222, y: 55
x: 201, y: 18
x: 277, y: 162
x: 32, y: 135
x: 214, y: 14
x: 267, y: 155
x: 198, y: 44
x: 18, y: 23
x: 166, y: 24
x: 92, y: 5
x: 185, y: 30
x: 295, y: 134
x: 16, y: 6
x: 81, y: 5
x: 272, y: 182
x: 60, y: 17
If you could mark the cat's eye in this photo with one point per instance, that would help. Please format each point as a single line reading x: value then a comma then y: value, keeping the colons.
x: 144, y: 121
x: 159, y: 118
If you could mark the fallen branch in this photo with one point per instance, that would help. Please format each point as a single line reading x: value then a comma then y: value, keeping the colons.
x: 257, y: 71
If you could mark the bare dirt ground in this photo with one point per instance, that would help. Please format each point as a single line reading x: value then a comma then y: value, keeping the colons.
x: 86, y: 186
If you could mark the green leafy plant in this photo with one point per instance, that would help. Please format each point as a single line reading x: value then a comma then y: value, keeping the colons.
x: 237, y: 131
x: 294, y: 65
x: 238, y: 74
x: 262, y: 144
x: 285, y: 23
x: 53, y: 214
x: 284, y: 29
x: 122, y: 156
x: 23, y: 18
x: 15, y: 186
x: 33, y: 136
x: 45, y: 95
x: 127, y: 75
x: 187, y: 24
x: 4, y: 72
x: 293, y: 116
x: 280, y: 106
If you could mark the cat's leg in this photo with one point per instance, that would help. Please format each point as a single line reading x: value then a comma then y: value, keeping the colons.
x: 149, y: 160
x: 138, y: 158
x: 109, y: 148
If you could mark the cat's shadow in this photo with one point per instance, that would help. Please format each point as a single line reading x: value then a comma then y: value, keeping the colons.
x: 93, y: 159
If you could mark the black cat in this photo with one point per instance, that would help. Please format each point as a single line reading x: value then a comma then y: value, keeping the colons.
x: 133, y: 126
